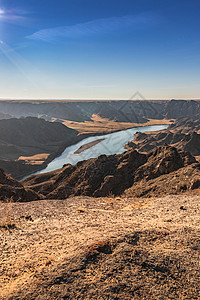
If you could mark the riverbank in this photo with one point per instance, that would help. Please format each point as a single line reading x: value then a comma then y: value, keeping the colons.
x: 30, y: 144
x: 100, y: 125
x: 113, y: 143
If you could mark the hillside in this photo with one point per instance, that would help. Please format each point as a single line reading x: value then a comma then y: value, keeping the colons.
x: 106, y: 248
x: 4, y: 116
x: 184, y: 134
x: 115, y: 174
x: 13, y: 191
x: 122, y: 226
x: 134, y: 111
x: 29, y: 144
x: 135, y: 239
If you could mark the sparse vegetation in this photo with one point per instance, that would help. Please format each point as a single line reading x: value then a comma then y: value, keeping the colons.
x: 81, y: 209
x: 7, y: 221
x: 142, y: 251
x: 104, y: 125
x: 121, y: 246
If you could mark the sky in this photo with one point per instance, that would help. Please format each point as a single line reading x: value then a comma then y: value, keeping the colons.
x: 99, y: 49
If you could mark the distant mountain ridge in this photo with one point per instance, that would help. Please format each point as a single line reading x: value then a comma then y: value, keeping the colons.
x: 4, y: 116
x: 122, y: 111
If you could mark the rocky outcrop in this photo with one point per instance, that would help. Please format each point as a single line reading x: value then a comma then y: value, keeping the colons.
x: 12, y: 190
x: 99, y: 176
x: 113, y: 174
x: 6, y: 179
x: 184, y: 134
x: 186, y: 125
x: 186, y: 179
x: 163, y: 160
x: 17, y: 194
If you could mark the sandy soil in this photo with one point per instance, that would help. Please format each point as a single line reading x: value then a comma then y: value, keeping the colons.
x: 87, y: 146
x: 47, y: 231
x: 104, y: 125
x: 35, y: 159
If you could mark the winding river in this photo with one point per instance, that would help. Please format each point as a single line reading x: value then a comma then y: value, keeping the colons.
x: 112, y: 143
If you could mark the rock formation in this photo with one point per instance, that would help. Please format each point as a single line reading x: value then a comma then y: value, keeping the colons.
x: 115, y: 174
x: 12, y: 190
x: 183, y: 134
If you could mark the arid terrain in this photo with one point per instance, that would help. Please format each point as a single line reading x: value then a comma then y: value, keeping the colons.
x: 28, y: 143
x: 123, y: 226
x: 134, y: 111
x: 142, y: 244
x: 99, y: 125
x: 183, y: 134
x: 105, y: 248
x: 99, y: 150
x: 165, y: 170
x: 29, y: 139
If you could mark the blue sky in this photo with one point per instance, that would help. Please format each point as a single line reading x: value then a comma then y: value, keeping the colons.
x: 92, y: 49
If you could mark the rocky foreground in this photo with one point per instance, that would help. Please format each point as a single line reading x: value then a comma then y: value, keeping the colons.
x: 122, y: 227
x: 105, y: 248
x: 135, y: 237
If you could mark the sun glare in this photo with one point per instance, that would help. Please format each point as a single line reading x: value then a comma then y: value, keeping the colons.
x: 2, y: 11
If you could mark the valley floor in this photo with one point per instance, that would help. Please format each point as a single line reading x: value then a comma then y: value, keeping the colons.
x: 99, y: 125
x: 103, y: 248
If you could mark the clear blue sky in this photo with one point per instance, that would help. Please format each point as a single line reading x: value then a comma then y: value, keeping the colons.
x: 99, y: 49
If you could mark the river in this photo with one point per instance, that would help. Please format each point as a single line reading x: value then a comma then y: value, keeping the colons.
x: 113, y: 143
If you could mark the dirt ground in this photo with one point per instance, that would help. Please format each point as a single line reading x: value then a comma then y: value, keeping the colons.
x: 46, y: 233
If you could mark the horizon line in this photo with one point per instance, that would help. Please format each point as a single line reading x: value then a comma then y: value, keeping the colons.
x: 91, y: 100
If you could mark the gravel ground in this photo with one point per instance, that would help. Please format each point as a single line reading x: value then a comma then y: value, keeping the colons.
x: 40, y: 236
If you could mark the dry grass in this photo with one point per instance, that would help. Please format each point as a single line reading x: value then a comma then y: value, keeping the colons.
x: 37, y: 159
x: 103, y: 125
x: 114, y: 203
x: 59, y: 230
x: 81, y: 209
x: 50, y: 260
x: 7, y: 221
